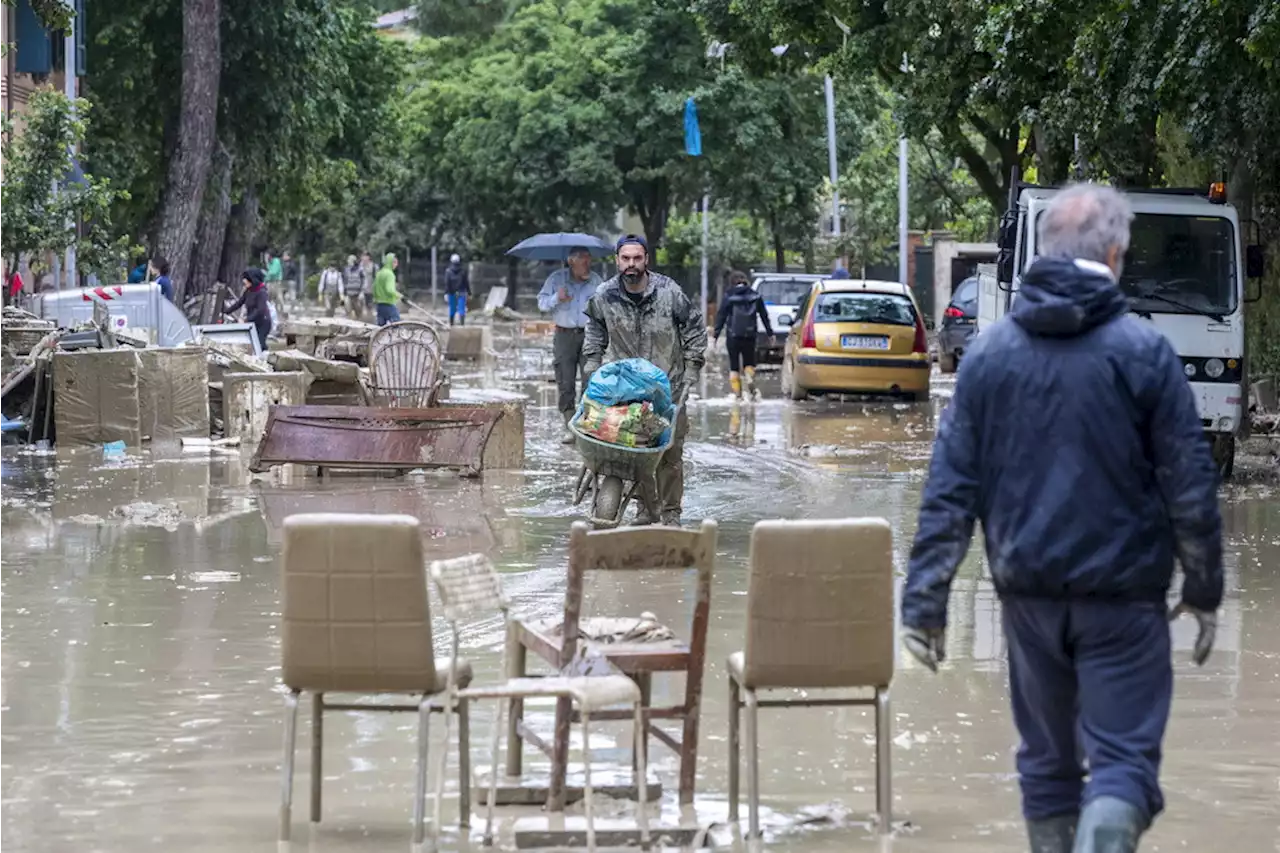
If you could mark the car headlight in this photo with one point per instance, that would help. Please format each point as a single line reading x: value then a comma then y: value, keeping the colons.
x: 1214, y: 368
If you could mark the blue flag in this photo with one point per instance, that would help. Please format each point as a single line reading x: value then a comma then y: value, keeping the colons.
x: 692, y: 135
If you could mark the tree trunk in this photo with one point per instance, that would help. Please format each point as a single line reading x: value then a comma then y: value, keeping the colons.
x: 206, y: 260
x: 189, y: 168
x: 779, y: 249
x: 238, y: 245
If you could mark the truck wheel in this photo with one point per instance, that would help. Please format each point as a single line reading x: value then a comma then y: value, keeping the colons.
x: 947, y: 362
x: 1224, y: 455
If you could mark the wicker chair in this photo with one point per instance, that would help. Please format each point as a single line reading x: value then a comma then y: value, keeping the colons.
x: 405, y: 369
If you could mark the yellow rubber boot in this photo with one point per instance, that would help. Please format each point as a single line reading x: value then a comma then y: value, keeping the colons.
x: 751, y: 383
x: 735, y: 383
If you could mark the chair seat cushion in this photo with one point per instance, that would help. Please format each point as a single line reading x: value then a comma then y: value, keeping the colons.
x: 338, y: 680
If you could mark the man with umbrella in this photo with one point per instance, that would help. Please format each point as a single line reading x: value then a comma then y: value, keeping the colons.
x: 564, y: 296
x: 643, y: 314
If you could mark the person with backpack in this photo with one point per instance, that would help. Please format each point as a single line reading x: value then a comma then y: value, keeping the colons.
x: 738, y: 312
x: 457, y: 287
x: 332, y: 288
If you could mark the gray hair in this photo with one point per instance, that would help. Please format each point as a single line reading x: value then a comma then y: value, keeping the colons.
x: 1085, y: 221
x: 579, y: 250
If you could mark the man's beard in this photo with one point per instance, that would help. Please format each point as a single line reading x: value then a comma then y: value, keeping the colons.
x: 632, y: 275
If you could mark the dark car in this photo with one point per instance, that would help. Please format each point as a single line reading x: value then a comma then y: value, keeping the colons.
x: 959, y: 322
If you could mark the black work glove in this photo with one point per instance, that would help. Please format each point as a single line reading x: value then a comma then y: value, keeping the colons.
x: 927, y: 645
x: 1208, y: 630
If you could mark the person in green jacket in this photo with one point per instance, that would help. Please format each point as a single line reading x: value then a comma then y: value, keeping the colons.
x: 275, y: 277
x: 386, y: 299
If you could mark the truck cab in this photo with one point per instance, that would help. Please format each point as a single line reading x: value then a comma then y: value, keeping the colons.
x: 1186, y: 272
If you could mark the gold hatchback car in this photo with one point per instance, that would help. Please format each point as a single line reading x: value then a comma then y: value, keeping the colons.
x: 857, y: 337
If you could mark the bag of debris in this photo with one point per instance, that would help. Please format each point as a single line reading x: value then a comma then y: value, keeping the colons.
x: 629, y: 425
x: 632, y: 380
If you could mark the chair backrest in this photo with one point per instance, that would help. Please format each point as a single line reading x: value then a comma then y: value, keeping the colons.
x: 640, y: 548
x: 404, y: 364
x: 820, y: 607
x: 356, y: 612
x: 469, y: 586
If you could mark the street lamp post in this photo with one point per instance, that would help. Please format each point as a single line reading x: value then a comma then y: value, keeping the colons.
x: 903, y: 248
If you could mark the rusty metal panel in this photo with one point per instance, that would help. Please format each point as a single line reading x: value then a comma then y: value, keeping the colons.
x: 376, y: 438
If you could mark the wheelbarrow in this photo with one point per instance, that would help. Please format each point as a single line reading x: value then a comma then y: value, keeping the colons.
x: 614, y: 475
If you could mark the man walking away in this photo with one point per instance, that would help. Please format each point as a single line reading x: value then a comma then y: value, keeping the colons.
x: 738, y: 310
x: 289, y: 269
x: 643, y: 314
x: 351, y: 285
x: 367, y: 273
x: 1073, y: 437
x: 564, y: 296
x: 332, y: 288
x: 457, y: 287
x: 386, y: 299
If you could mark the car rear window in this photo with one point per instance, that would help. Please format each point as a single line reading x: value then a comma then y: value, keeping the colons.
x: 864, y: 308
x: 966, y: 291
x: 783, y: 291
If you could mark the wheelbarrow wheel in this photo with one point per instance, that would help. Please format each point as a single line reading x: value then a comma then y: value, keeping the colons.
x: 608, y: 507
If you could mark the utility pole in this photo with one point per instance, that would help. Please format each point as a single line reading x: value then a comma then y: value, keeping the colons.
x: 832, y: 165
x: 903, y: 248
x: 69, y: 66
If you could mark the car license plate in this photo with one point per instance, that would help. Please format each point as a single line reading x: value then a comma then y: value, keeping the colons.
x: 863, y: 342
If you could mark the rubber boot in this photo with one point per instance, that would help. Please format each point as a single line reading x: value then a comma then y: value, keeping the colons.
x: 735, y: 384
x: 750, y: 383
x: 569, y: 437
x: 1053, y: 835
x: 1109, y: 825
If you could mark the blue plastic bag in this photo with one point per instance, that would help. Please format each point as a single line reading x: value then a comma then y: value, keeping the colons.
x: 631, y: 380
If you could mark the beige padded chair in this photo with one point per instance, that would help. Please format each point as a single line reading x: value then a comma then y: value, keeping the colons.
x: 470, y: 587
x: 357, y: 620
x: 820, y: 614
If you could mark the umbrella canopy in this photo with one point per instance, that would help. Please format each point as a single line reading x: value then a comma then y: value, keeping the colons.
x: 555, y: 247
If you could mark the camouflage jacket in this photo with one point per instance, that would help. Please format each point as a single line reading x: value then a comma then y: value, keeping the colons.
x: 664, y: 326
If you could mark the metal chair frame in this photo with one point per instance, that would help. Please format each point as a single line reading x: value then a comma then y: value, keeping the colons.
x: 403, y: 344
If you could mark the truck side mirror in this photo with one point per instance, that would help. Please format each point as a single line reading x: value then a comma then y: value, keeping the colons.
x: 1255, y: 261
x: 1008, y: 235
x: 1004, y: 265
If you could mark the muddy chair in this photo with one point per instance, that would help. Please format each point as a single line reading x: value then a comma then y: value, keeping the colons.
x: 405, y: 365
x: 638, y: 653
x: 820, y: 614
x: 357, y: 620
x: 469, y: 587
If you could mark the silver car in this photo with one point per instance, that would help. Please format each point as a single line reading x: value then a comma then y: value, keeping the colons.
x: 959, y: 323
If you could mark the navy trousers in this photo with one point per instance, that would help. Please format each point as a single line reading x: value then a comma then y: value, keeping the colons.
x: 1090, y: 680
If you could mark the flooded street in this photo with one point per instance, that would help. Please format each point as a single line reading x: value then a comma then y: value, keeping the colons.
x: 142, y: 711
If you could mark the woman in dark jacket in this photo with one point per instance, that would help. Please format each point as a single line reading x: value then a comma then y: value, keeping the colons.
x: 254, y: 301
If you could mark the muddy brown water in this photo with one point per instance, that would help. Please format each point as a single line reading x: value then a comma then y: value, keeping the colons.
x: 141, y: 707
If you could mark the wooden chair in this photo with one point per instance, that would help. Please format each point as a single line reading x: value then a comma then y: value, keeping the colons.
x: 405, y: 366
x: 357, y: 620
x: 559, y: 642
x: 820, y: 614
x: 469, y: 587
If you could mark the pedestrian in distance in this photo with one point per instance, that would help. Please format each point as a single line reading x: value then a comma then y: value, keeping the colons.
x: 138, y: 274
x: 353, y: 285
x: 275, y: 276
x: 738, y: 312
x: 386, y: 298
x: 457, y: 287
x: 254, y: 299
x: 564, y: 296
x: 367, y: 273
x: 1073, y: 438
x: 166, y: 284
x: 643, y: 314
x: 332, y: 288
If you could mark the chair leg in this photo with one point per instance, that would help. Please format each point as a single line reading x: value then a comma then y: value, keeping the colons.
x: 753, y: 766
x: 559, y: 755
x: 586, y: 780
x: 464, y: 764
x: 286, y: 770
x: 884, y: 775
x: 644, y: 681
x: 492, y: 799
x: 317, y: 753
x: 642, y: 779
x: 420, y: 788
x: 517, y: 657
x: 735, y: 748
x: 442, y: 771
x: 689, y: 742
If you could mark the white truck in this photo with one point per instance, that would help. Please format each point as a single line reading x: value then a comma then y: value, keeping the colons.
x: 1186, y: 271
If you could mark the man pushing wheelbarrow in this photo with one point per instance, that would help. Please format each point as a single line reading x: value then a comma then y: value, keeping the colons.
x: 645, y: 315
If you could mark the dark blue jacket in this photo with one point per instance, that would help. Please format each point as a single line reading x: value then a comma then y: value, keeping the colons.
x: 1073, y: 437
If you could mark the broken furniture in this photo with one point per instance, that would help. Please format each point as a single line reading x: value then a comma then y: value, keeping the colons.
x: 404, y: 366
x: 357, y: 620
x: 248, y: 398
x: 375, y: 438
x: 469, y: 587
x: 820, y: 615
x: 639, y: 654
x: 469, y: 343
x: 238, y: 337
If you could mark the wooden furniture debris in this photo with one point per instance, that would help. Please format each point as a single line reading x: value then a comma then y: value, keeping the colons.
x: 650, y: 648
x: 820, y: 615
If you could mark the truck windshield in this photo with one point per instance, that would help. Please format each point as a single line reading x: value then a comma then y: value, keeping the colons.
x: 1180, y: 265
x: 783, y: 291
